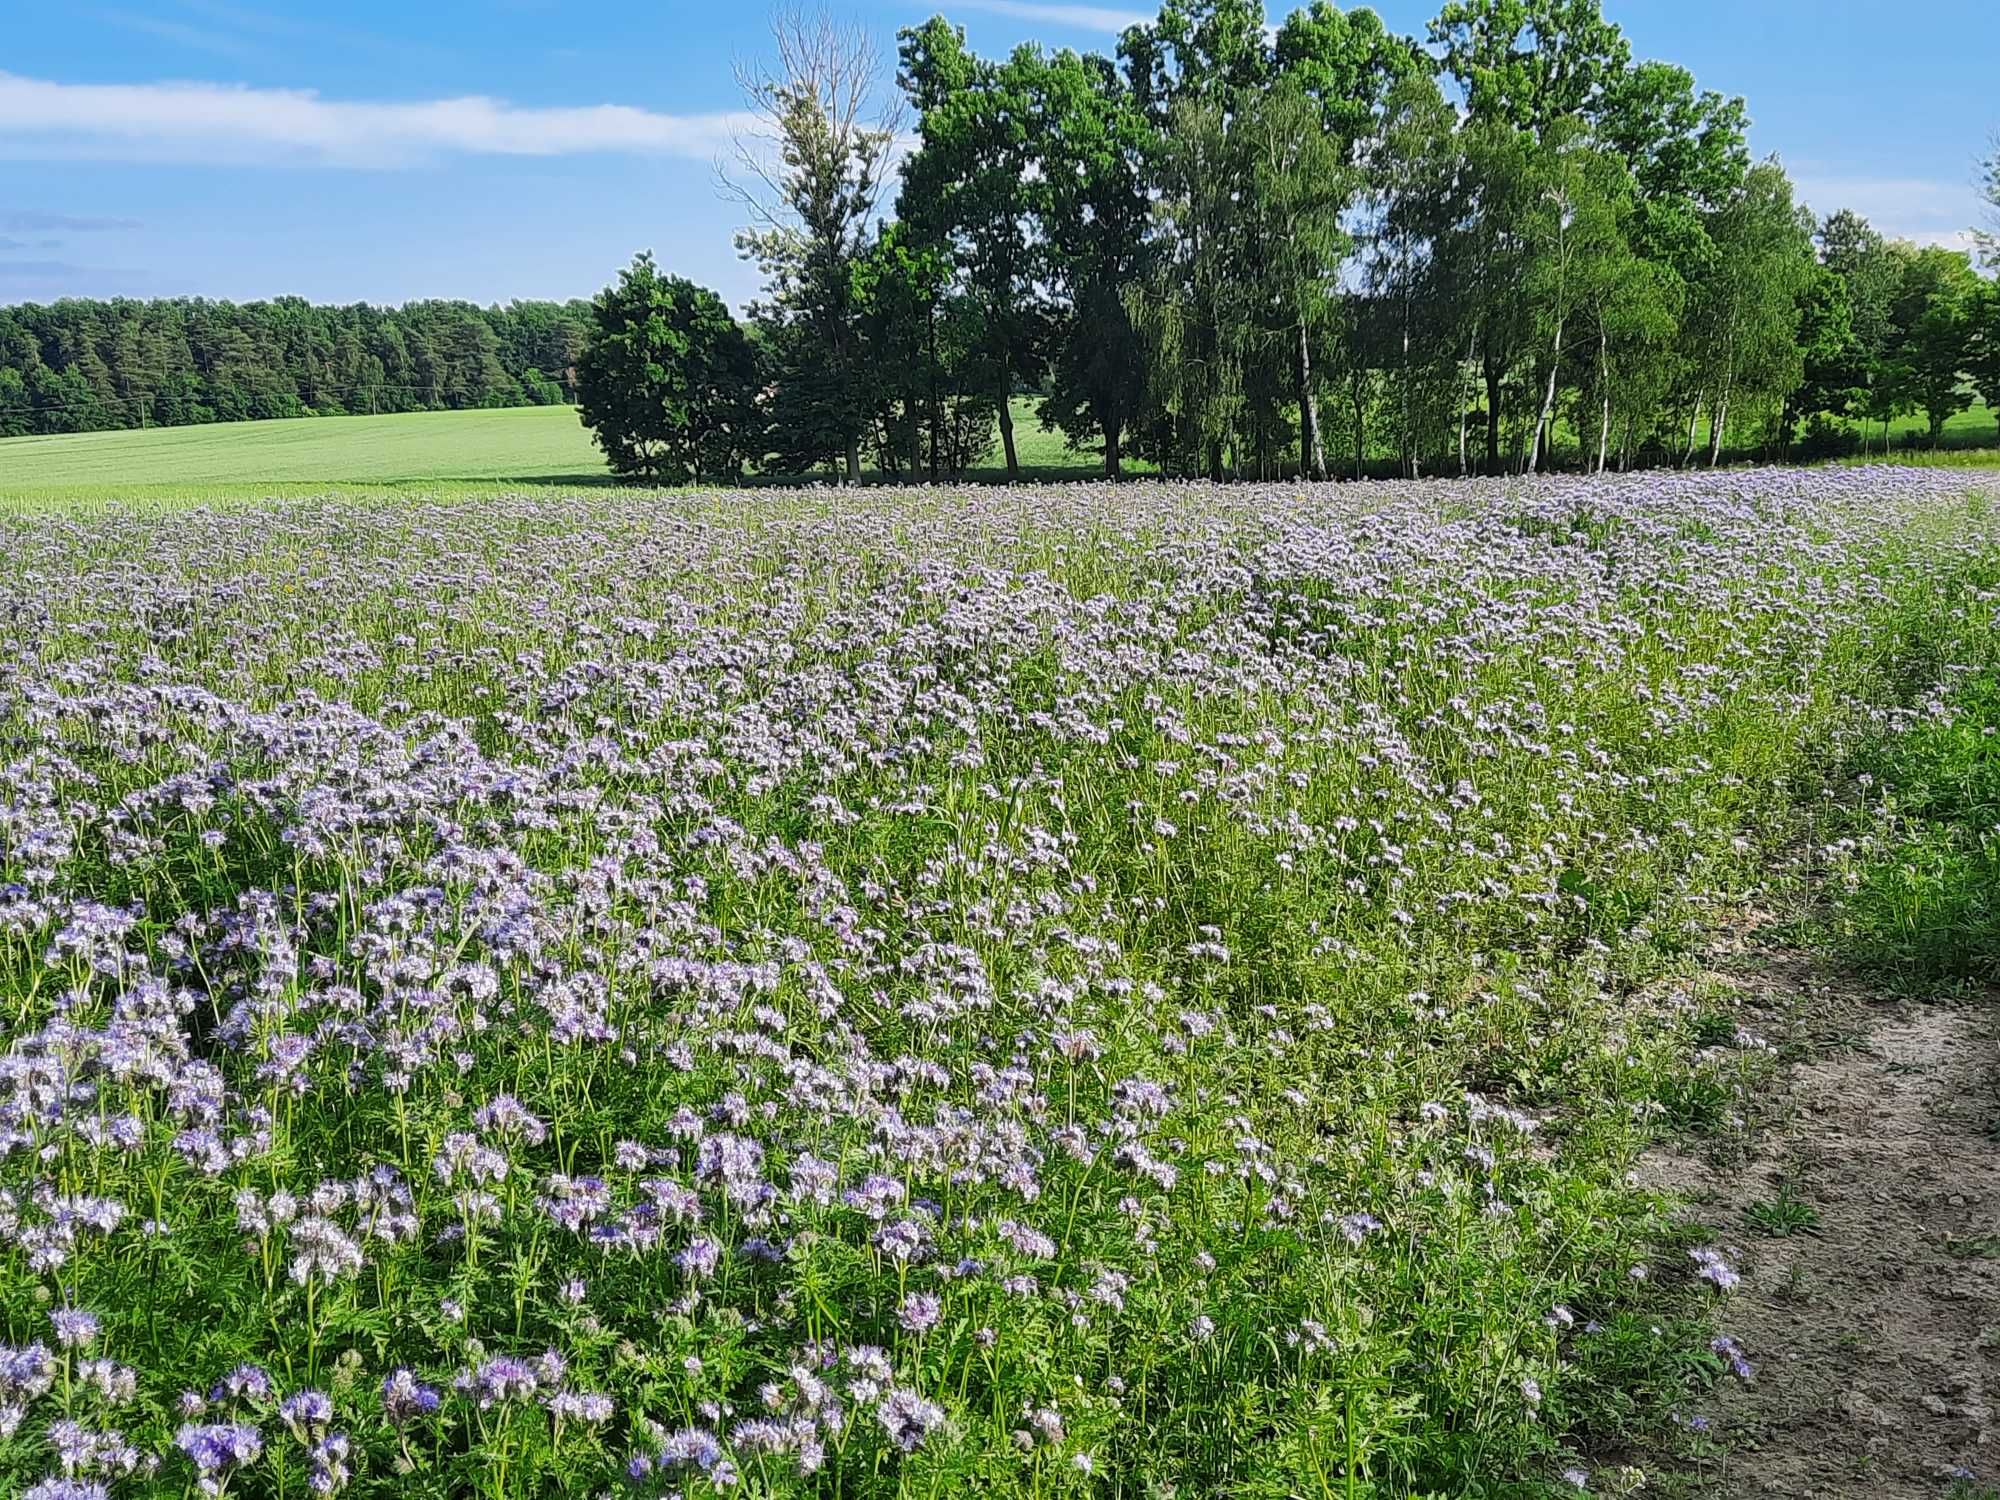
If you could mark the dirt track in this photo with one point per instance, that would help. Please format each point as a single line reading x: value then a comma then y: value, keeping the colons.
x: 1874, y: 1330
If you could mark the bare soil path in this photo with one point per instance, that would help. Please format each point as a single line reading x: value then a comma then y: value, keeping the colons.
x: 1867, y: 1221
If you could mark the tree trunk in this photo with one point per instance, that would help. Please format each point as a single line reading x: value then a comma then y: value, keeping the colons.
x: 1360, y: 429
x: 937, y: 398
x: 1464, y: 398
x: 913, y: 407
x: 1548, y: 399
x: 1312, y: 452
x: 1007, y: 426
x: 1694, y: 421
x: 1113, y: 430
x: 1492, y: 410
x: 1718, y: 420
x: 1604, y: 382
x: 1409, y: 436
x: 854, y: 458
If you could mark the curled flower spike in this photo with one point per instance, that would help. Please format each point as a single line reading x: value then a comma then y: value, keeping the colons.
x: 1712, y: 1268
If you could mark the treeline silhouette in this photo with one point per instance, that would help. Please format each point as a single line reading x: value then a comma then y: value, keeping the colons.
x: 86, y: 366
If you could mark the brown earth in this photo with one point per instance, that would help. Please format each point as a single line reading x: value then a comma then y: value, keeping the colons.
x: 1874, y: 1329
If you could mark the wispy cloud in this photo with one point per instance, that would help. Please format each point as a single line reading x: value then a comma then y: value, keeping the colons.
x: 180, y: 34
x: 1054, y: 13
x: 9, y: 244
x: 22, y: 221
x: 1923, y: 210
x: 42, y: 271
x: 223, y: 124
x: 292, y: 29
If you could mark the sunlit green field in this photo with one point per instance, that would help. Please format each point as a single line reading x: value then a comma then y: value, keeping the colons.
x: 446, y: 452
x: 431, y: 449
x: 1974, y: 425
x: 521, y: 447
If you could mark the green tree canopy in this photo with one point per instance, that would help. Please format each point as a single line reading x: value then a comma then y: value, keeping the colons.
x: 1531, y: 64
x: 668, y: 382
x: 1936, y: 313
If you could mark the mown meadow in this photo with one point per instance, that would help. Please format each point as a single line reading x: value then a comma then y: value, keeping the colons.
x: 1147, y: 990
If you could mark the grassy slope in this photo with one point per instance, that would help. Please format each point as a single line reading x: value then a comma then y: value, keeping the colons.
x: 525, y: 446
x: 429, y: 448
x: 1973, y: 425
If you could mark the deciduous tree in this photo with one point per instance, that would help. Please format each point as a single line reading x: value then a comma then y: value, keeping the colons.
x: 668, y: 382
x: 811, y: 170
x: 1936, y: 314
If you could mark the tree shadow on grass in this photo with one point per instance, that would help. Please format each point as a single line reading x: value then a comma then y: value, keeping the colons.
x: 530, y: 481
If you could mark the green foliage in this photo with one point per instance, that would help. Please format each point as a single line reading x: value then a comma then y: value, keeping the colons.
x: 1869, y: 271
x: 1742, y: 329
x: 1206, y: 51
x: 1686, y: 149
x: 934, y: 402
x: 1195, y: 312
x: 974, y: 189
x: 1530, y: 64
x: 668, y: 382
x: 88, y: 366
x: 1095, y: 149
x: 813, y: 178
x: 1350, y: 65
x: 1582, y: 274
x: 1982, y: 360
x: 1032, y: 809
x: 1783, y: 1216
x: 1921, y: 871
x: 540, y: 389
x: 1935, y: 312
x: 1928, y: 906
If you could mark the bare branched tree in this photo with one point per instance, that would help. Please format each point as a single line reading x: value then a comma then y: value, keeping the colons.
x: 817, y: 153
x: 1988, y: 238
x: 811, y: 168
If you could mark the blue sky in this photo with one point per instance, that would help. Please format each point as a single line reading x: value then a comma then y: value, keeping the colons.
x: 378, y: 151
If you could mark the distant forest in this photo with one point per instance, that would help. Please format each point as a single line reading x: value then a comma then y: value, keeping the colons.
x: 88, y: 366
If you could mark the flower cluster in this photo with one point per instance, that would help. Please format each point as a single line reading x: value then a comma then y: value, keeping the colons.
x: 927, y: 992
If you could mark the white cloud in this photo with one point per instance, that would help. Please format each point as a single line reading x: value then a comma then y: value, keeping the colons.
x: 1922, y: 210
x: 27, y: 221
x: 1053, y: 13
x: 235, y: 125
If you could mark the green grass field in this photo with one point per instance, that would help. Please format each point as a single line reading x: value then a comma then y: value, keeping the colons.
x: 526, y: 447
x: 1973, y: 427
x: 445, y: 452
x: 434, y: 450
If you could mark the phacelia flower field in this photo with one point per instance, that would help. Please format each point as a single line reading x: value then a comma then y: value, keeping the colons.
x: 1125, y: 991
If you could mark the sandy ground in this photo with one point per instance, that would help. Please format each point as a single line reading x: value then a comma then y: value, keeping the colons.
x: 1875, y: 1330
